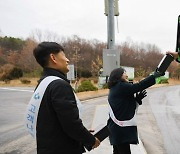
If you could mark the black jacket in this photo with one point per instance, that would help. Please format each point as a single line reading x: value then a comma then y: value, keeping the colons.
x: 59, y: 128
x: 122, y: 101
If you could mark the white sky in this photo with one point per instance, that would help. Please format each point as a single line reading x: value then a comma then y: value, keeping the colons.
x: 148, y: 21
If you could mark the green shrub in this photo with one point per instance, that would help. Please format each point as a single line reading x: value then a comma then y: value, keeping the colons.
x: 35, y: 73
x: 164, y: 81
x: 161, y: 80
x: 16, y: 73
x: 10, y: 72
x: 86, y: 85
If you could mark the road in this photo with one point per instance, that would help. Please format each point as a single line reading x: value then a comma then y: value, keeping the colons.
x: 158, y: 120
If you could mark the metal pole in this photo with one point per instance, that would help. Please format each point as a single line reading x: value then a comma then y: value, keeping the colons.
x: 76, y: 63
x: 76, y: 49
x: 110, y: 25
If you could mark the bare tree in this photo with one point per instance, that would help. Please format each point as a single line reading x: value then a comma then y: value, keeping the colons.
x: 40, y: 36
x: 26, y: 59
x: 36, y: 35
x: 96, y: 65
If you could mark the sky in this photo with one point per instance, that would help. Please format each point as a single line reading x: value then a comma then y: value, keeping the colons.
x: 147, y: 21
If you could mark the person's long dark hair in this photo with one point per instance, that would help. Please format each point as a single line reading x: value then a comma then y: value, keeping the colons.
x: 115, y: 77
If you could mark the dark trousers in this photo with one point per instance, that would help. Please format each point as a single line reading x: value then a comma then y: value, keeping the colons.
x: 121, y: 149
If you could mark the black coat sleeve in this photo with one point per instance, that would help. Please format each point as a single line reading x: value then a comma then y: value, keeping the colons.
x: 130, y: 89
x: 64, y: 104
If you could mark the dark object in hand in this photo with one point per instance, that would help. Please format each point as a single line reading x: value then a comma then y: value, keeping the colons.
x: 140, y: 96
x: 101, y: 135
x: 164, y: 63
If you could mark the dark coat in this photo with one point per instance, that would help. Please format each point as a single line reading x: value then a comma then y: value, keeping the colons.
x: 122, y: 101
x: 59, y: 128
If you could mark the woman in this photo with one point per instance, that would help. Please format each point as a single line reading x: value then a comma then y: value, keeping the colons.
x: 121, y: 124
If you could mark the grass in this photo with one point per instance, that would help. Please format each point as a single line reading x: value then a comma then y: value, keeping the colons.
x: 18, y: 83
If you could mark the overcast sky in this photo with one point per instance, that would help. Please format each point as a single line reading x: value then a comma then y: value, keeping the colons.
x: 148, y: 21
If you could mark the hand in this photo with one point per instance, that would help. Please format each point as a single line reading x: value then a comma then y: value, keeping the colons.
x: 174, y: 54
x: 97, y: 143
x: 91, y: 131
x: 158, y: 74
x: 140, y: 96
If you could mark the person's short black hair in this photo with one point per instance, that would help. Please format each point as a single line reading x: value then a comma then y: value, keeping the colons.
x: 44, y: 49
x: 115, y: 77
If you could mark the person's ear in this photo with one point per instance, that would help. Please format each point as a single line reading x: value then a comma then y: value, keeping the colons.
x: 52, y: 57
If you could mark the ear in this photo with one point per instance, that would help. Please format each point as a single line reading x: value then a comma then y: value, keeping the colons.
x: 52, y: 58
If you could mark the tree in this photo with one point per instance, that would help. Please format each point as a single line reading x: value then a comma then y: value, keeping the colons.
x: 27, y: 61
x: 11, y: 43
x: 144, y: 56
x: 96, y: 65
x: 39, y: 36
x: 2, y: 58
x: 13, y: 57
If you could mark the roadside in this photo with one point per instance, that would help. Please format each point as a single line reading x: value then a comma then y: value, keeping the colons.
x: 81, y: 95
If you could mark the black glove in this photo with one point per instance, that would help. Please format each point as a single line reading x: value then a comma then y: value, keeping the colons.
x: 140, y: 96
x: 158, y: 74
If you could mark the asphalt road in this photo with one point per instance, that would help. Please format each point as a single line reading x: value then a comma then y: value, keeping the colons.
x: 158, y: 120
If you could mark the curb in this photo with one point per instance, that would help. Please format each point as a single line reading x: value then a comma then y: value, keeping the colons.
x: 92, y: 97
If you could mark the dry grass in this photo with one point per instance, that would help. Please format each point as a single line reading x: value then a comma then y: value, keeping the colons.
x: 18, y: 83
x: 174, y: 81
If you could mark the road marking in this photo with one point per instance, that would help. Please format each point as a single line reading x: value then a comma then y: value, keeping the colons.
x: 12, y: 89
x: 101, y: 116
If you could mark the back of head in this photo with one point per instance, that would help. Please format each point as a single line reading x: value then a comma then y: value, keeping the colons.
x: 44, y: 49
x: 115, y: 77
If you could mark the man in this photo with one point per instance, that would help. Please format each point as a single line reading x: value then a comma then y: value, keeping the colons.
x: 59, y: 129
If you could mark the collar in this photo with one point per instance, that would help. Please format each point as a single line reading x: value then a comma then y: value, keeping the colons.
x: 53, y: 72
